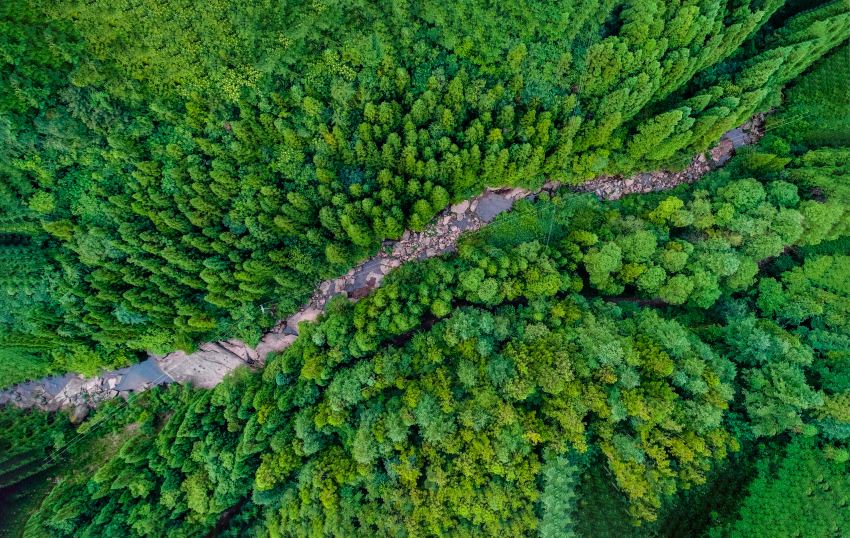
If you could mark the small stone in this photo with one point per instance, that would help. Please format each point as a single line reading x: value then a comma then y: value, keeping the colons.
x: 460, y: 207
x: 516, y: 194
x: 389, y: 264
x: 79, y: 413
x: 93, y: 385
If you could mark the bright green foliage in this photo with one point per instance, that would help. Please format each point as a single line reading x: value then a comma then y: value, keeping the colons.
x: 804, y: 492
x: 726, y: 96
x: 20, y: 364
x: 466, y: 395
x: 813, y: 300
x: 171, y: 167
x: 825, y: 172
x: 192, y: 162
x: 28, y: 316
x: 446, y: 432
x: 687, y: 246
x: 816, y: 294
x: 468, y: 364
x: 776, y: 392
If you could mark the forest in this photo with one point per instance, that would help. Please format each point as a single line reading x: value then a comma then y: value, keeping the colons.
x: 668, y: 364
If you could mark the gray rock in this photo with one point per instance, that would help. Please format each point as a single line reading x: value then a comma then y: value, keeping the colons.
x: 389, y: 264
x: 460, y: 207
x: 92, y: 385
x: 308, y: 314
x: 204, y: 368
x: 272, y: 343
x: 238, y: 348
x: 516, y: 194
x: 147, y: 371
x: 491, y: 204
x: 737, y: 136
x: 79, y: 413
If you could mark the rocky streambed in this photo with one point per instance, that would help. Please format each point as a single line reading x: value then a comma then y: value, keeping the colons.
x: 207, y: 366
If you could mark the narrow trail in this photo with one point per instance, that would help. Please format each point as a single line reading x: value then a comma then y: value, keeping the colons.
x: 207, y: 366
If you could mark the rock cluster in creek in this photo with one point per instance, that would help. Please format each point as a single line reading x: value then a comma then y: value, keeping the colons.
x: 207, y: 366
x: 77, y: 392
x: 614, y: 187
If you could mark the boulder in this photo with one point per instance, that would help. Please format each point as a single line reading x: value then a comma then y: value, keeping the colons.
x: 460, y: 207
x: 79, y: 413
x: 273, y: 342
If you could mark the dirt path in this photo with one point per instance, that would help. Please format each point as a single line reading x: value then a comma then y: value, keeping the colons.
x: 207, y: 366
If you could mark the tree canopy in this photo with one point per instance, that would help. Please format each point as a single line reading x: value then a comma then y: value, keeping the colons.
x: 672, y: 363
x: 173, y: 167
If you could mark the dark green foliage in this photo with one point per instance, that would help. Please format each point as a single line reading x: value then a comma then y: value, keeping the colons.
x: 817, y: 109
x: 602, y: 511
x: 29, y: 441
x: 118, y: 455
x: 692, y: 511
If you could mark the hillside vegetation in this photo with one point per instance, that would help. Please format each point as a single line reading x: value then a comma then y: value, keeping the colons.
x: 571, y: 354
x: 178, y: 172
x: 668, y: 364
